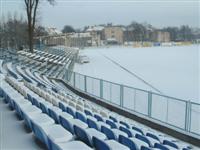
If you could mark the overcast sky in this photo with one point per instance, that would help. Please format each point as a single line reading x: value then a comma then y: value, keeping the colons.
x: 79, y: 13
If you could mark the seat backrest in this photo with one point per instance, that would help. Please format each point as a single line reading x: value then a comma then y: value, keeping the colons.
x: 137, y: 129
x: 127, y: 131
x: 92, y: 124
x: 108, y: 132
x: 166, y: 142
x: 71, y: 111
x: 53, y: 115
x: 112, y: 124
x: 35, y: 102
x: 127, y: 142
x: 80, y: 116
x: 143, y: 138
x: 62, y: 106
x: 124, y: 123
x: 98, y: 117
x: 112, y: 118
x: 1, y: 92
x: 160, y: 146
x: 99, y: 144
x: 44, y: 108
x: 66, y: 124
x: 152, y: 136
x: 82, y: 135
x: 39, y: 133
x: 145, y: 148
x: 19, y: 112
x: 185, y: 149
x: 87, y: 112
x: 29, y: 97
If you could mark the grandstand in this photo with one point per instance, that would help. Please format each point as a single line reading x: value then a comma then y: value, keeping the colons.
x: 58, y: 117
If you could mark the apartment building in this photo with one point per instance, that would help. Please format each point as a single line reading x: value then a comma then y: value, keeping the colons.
x: 69, y: 40
x: 97, y: 35
x: 113, y: 34
x: 160, y: 36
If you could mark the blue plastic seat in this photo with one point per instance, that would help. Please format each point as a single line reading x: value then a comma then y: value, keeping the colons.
x: 71, y: 145
x: 11, y: 104
x: 62, y: 106
x: 98, y: 117
x: 19, y: 112
x: 112, y: 118
x: 29, y: 97
x: 58, y: 132
x: 124, y: 123
x: 166, y: 142
x: 53, y: 115
x: 44, y: 108
x: 127, y: 142
x: 27, y: 119
x: 82, y: 135
x: 137, y: 129
x: 126, y: 130
x: 92, y: 124
x: 145, y: 148
x: 112, y: 124
x: 66, y: 124
x: 38, y: 132
x: 108, y: 132
x: 160, y: 146
x: 152, y: 136
x: 5, y: 97
x: 100, y: 144
x: 1, y: 92
x: 81, y: 116
x: 143, y: 138
x: 36, y: 102
x: 185, y: 149
x: 108, y: 145
x: 87, y: 112
x: 71, y: 111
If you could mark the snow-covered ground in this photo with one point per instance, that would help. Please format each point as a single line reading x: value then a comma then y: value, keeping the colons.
x: 172, y: 70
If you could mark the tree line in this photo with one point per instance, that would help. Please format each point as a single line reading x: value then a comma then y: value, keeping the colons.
x: 143, y: 31
x: 14, y: 32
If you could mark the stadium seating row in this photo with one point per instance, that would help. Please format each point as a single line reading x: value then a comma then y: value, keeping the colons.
x: 82, y: 124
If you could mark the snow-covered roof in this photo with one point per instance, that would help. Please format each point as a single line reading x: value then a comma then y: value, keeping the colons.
x: 95, y: 28
x: 80, y: 35
x: 111, y: 39
x: 53, y: 31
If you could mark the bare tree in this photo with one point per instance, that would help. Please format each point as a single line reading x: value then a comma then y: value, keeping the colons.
x: 31, y: 11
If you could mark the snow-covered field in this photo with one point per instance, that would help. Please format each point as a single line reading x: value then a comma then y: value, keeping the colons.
x: 172, y: 70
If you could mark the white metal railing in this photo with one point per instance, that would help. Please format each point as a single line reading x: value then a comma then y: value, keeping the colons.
x: 173, y: 112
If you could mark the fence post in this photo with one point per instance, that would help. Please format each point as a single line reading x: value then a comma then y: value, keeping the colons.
x: 121, y: 95
x: 67, y: 75
x: 149, y: 103
x: 101, y: 88
x: 190, y: 113
x: 85, y: 83
x: 74, y: 79
x: 187, y: 116
x: 64, y: 75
